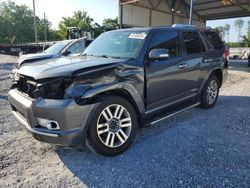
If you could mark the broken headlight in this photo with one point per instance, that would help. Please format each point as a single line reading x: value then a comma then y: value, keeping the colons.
x: 63, y: 88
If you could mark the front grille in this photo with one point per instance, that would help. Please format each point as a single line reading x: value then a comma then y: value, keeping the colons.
x: 27, y: 85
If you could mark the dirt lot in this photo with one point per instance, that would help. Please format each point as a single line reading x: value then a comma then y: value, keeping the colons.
x: 198, y: 148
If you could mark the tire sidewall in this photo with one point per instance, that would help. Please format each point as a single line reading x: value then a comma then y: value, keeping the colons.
x: 204, y: 103
x: 93, y: 137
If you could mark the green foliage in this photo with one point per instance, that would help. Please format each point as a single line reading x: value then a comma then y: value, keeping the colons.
x: 17, y: 24
x: 245, y: 42
x: 79, y: 19
x: 238, y: 24
x: 110, y: 24
x: 233, y: 44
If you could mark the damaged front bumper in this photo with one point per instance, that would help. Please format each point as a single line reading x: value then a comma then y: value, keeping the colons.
x: 71, y: 118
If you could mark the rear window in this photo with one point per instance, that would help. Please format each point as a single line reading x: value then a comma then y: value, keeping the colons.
x: 193, y: 43
x: 214, y: 39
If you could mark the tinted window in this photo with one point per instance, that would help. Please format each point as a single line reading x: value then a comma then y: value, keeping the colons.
x: 214, y: 39
x: 193, y: 43
x: 168, y: 40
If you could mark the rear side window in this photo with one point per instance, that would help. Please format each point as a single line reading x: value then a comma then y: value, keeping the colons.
x: 88, y: 42
x: 168, y: 40
x: 214, y: 39
x: 193, y: 43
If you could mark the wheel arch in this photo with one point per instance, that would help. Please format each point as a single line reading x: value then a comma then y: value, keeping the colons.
x: 219, y: 74
x: 125, y: 91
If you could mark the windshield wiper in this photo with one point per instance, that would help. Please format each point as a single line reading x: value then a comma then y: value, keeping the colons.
x: 103, y: 56
x: 85, y: 54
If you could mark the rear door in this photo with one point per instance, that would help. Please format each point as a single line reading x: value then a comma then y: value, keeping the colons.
x: 195, y: 52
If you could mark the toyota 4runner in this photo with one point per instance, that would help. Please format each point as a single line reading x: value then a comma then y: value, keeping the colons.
x: 125, y: 79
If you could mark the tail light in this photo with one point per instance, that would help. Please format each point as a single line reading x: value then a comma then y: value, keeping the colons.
x: 227, y: 54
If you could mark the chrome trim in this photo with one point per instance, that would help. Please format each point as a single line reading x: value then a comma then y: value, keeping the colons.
x: 170, y: 115
x: 169, y: 104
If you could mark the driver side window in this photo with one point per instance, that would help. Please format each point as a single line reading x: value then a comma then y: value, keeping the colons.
x: 168, y: 40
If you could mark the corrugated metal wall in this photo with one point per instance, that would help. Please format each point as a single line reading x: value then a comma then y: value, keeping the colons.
x: 135, y: 16
x: 156, y: 13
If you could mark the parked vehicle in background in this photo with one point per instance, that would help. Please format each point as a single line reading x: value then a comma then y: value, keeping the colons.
x: 59, y: 49
x: 126, y: 79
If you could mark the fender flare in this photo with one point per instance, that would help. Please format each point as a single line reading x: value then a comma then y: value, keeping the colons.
x: 208, y: 75
x: 117, y: 86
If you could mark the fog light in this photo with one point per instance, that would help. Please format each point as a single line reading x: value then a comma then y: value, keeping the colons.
x: 49, y: 124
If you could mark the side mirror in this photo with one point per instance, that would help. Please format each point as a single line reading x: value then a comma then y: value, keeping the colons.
x: 158, y: 54
x: 66, y: 53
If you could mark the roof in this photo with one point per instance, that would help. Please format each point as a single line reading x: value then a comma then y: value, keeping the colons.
x: 221, y: 9
x: 211, y: 9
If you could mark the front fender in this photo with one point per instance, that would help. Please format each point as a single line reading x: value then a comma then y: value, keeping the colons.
x: 116, y: 86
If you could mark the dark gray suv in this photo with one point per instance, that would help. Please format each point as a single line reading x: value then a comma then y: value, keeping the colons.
x: 124, y: 80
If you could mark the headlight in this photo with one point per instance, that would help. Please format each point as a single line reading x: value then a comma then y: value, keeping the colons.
x: 63, y: 88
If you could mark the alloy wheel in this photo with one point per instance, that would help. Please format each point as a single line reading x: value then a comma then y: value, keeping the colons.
x: 212, y: 92
x: 114, y: 125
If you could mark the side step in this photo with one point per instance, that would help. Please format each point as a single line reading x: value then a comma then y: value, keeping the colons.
x: 172, y: 113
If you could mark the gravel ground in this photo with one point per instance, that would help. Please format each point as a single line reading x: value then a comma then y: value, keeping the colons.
x: 198, y: 148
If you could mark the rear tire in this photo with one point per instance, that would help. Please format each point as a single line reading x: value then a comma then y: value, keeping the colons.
x: 113, y: 126
x: 210, y: 92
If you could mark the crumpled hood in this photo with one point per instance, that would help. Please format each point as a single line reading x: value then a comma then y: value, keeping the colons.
x: 28, y: 57
x: 62, y: 66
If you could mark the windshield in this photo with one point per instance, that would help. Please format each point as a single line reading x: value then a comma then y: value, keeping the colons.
x: 57, y: 47
x: 117, y: 44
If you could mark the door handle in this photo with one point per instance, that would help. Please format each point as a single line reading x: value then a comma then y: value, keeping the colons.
x: 183, y: 66
x: 208, y: 60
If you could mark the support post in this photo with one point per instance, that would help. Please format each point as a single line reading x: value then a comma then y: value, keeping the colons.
x: 120, y: 13
x: 34, y: 12
x: 191, y: 12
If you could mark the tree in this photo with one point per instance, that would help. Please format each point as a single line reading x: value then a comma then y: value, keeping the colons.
x: 238, y: 24
x: 245, y: 42
x: 227, y: 30
x: 98, y: 29
x: 110, y: 24
x: 79, y: 19
x: 17, y: 24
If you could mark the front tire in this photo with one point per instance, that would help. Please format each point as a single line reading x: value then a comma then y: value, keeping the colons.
x: 210, y: 92
x: 113, y: 126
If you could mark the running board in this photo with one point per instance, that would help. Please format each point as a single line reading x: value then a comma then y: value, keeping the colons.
x: 174, y: 113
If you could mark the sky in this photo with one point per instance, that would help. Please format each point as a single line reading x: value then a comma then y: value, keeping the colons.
x: 56, y: 9
x: 99, y: 10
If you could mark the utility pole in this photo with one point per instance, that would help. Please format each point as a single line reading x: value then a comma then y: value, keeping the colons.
x: 45, y: 28
x: 34, y: 12
x: 191, y: 12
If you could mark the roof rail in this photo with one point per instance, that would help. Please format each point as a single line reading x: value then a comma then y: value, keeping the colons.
x: 191, y: 26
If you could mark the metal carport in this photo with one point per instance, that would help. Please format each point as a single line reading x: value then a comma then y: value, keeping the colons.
x: 139, y: 13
